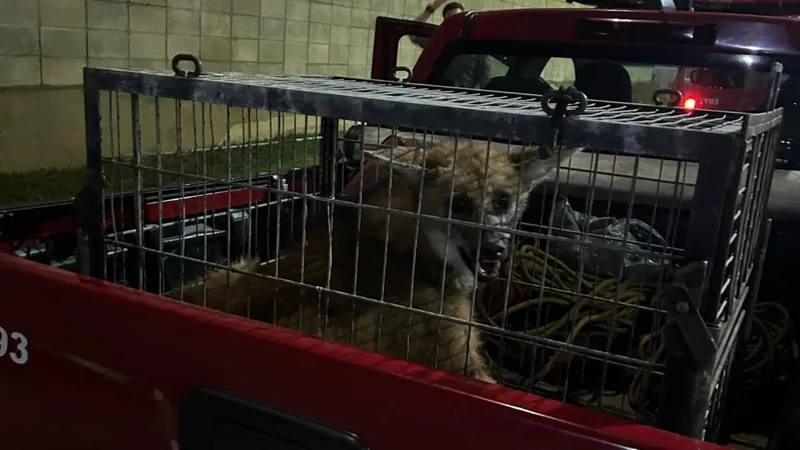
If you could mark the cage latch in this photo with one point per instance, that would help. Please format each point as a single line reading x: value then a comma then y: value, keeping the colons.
x: 181, y: 57
x: 682, y: 298
x: 560, y: 104
x: 88, y: 213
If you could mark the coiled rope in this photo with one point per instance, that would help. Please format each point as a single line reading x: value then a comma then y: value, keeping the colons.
x: 608, y: 307
x: 600, y: 307
x: 772, y: 350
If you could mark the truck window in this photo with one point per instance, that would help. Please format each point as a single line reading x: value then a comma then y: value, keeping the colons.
x: 737, y: 89
x: 408, y: 52
x: 559, y: 72
x: 497, y: 67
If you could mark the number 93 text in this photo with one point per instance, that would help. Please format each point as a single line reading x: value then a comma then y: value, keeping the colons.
x: 13, y: 345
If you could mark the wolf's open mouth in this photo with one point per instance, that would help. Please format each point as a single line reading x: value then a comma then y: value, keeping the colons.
x: 487, y: 269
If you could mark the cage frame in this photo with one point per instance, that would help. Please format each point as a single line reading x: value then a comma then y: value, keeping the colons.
x: 720, y: 155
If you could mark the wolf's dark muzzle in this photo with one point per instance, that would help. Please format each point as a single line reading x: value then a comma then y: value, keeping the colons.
x: 494, y: 251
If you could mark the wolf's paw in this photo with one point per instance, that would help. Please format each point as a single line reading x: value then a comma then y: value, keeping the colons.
x: 484, y: 376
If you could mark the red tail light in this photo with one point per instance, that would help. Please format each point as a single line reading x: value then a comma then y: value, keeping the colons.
x: 689, y: 103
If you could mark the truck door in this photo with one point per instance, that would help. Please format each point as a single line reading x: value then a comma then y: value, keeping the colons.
x: 386, y: 49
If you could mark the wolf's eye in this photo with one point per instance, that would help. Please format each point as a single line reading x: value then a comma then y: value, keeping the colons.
x: 462, y: 206
x: 502, y: 201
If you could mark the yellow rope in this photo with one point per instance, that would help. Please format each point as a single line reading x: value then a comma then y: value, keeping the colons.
x: 599, y: 308
x: 606, y: 306
x: 771, y: 343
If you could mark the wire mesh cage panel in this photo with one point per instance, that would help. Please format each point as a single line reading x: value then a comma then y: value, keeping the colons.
x: 594, y: 252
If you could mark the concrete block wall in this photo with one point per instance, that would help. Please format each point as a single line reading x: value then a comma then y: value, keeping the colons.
x: 44, y: 45
x: 48, y: 42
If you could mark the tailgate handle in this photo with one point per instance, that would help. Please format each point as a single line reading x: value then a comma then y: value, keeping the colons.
x: 213, y: 420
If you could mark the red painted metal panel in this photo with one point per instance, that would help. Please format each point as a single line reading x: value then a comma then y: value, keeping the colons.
x: 191, y: 205
x: 107, y: 367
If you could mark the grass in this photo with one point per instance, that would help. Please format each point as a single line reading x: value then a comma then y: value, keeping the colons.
x: 44, y: 185
x: 40, y: 185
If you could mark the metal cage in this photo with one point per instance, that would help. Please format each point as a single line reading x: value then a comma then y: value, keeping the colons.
x: 191, y: 173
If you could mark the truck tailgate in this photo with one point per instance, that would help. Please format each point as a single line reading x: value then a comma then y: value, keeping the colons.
x: 107, y: 366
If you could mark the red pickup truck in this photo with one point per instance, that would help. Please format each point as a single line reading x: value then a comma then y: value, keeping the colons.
x: 89, y: 364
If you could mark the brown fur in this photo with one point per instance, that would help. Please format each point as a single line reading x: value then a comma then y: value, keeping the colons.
x: 374, y: 326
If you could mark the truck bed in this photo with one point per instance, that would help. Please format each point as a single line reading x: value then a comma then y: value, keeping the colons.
x: 655, y: 182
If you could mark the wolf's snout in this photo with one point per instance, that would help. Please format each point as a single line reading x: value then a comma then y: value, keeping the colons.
x: 490, y: 259
x: 494, y: 251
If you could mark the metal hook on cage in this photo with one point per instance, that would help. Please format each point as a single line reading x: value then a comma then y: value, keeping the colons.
x: 560, y: 104
x: 674, y: 98
x: 401, y: 69
x: 181, y: 57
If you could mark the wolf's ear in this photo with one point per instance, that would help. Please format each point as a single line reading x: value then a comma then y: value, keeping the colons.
x: 412, y: 165
x: 535, y: 163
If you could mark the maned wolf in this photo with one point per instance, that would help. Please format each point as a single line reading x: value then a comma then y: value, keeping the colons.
x: 438, y: 278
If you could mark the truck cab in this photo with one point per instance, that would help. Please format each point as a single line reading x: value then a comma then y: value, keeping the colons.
x: 574, y: 48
